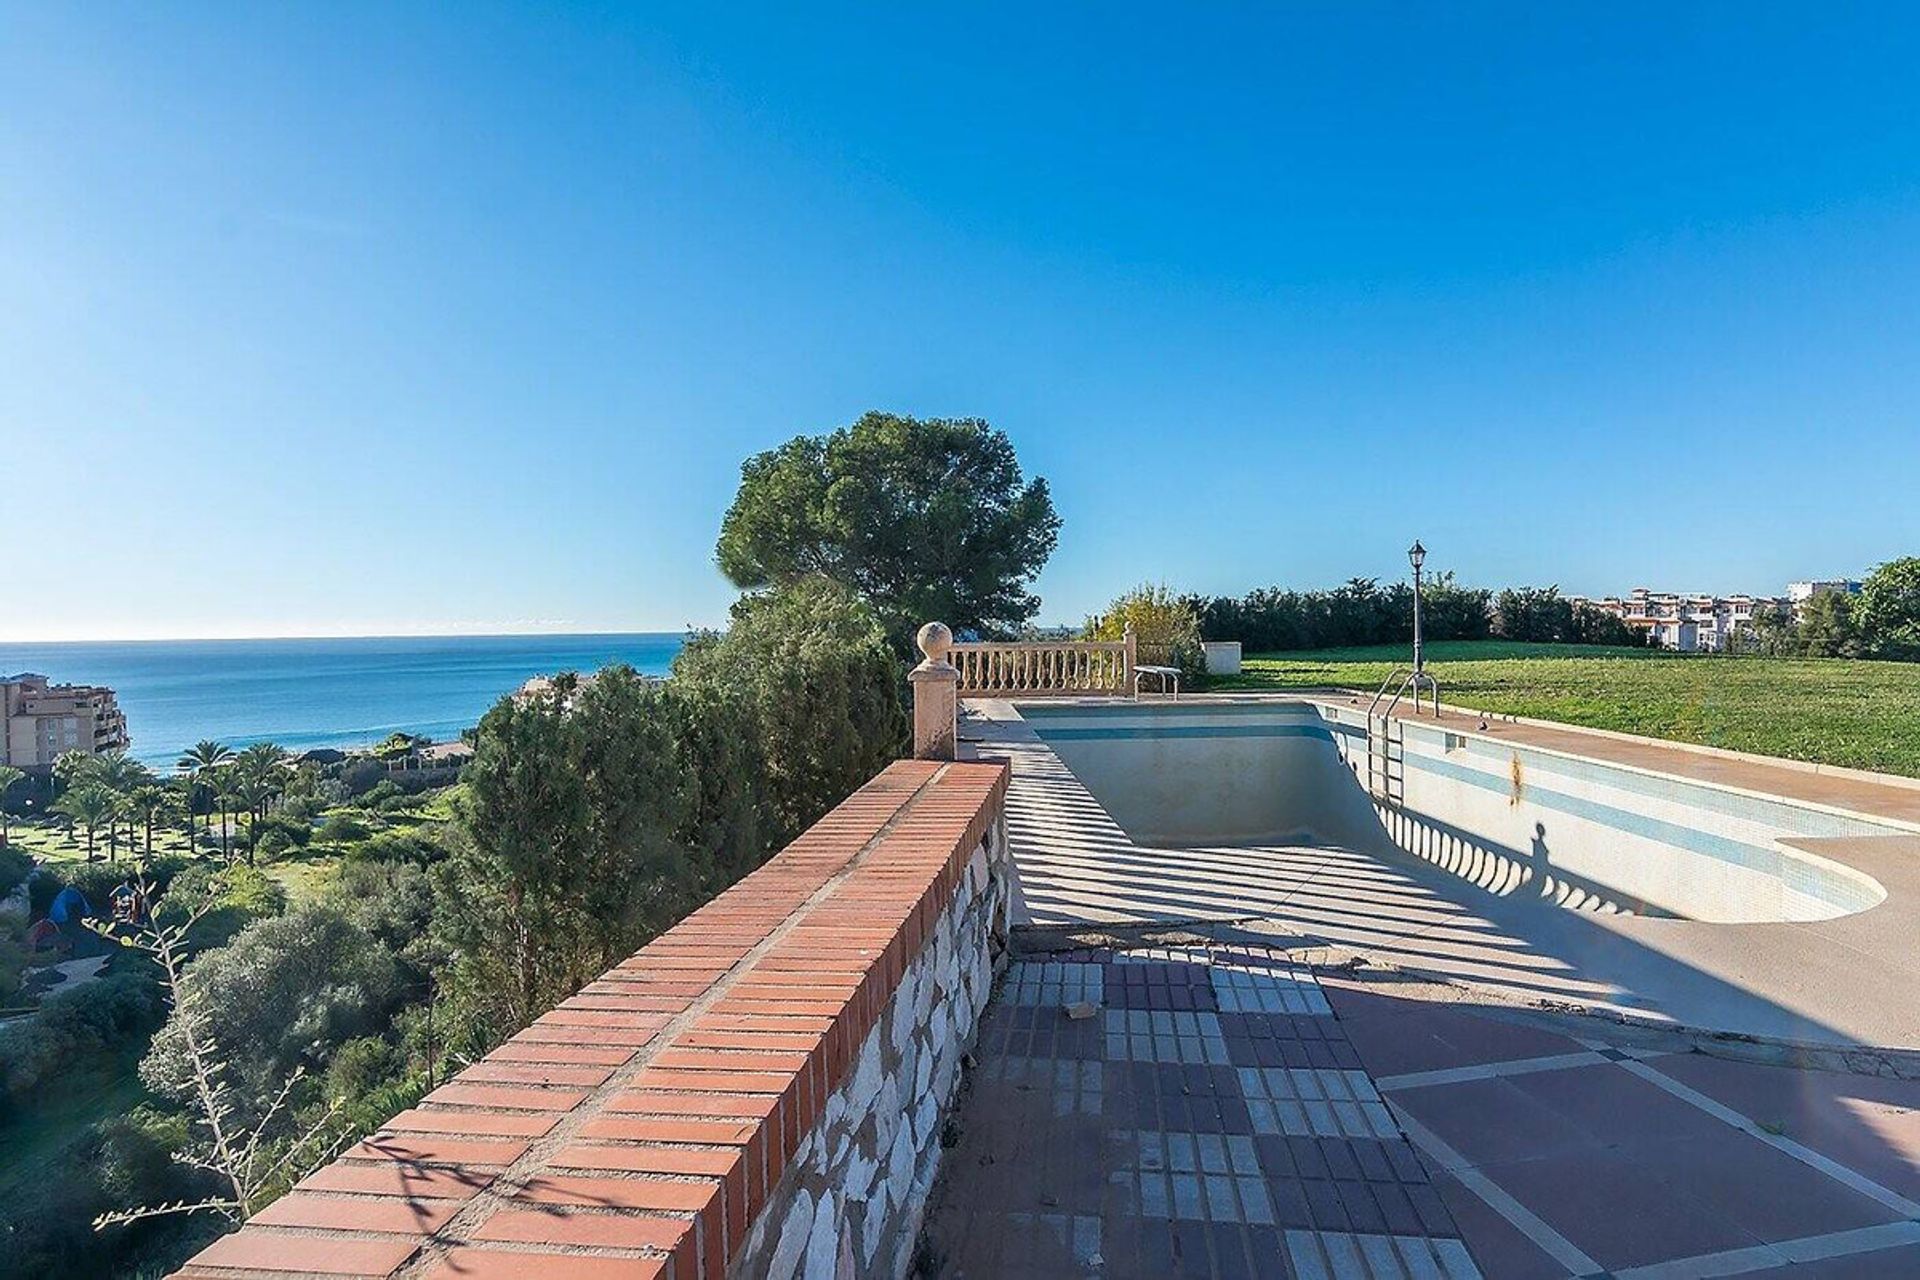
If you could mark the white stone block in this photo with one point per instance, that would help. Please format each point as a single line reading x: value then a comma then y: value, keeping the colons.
x: 793, y: 1238
x: 866, y: 1078
x: 872, y: 1229
x: 823, y: 1241
x: 900, y: 1167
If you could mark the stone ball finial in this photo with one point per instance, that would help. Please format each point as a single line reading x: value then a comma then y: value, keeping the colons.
x: 934, y: 641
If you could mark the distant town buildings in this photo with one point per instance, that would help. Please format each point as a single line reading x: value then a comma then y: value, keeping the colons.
x: 1800, y: 593
x: 1708, y: 623
x: 567, y: 686
x: 44, y: 721
x: 1688, y: 622
x: 435, y: 759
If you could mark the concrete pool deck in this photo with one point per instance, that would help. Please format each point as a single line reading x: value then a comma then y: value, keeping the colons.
x: 1842, y: 982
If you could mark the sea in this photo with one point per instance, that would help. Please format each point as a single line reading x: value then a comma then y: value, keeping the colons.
x: 304, y: 694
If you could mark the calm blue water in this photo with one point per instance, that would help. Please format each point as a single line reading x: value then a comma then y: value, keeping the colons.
x: 320, y: 693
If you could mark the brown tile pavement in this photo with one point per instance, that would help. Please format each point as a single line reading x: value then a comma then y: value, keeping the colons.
x: 1610, y: 1162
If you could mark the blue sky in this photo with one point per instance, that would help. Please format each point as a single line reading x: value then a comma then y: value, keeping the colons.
x: 341, y: 319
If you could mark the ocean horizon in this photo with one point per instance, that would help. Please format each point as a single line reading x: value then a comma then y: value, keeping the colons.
x: 305, y: 693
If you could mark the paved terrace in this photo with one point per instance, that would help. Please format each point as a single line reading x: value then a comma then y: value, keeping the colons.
x: 1201, y: 1099
x: 1227, y: 1113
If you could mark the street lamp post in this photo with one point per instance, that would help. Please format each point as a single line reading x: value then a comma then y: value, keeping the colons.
x: 1417, y: 554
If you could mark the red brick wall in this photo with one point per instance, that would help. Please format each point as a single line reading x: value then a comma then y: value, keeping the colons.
x: 637, y: 1129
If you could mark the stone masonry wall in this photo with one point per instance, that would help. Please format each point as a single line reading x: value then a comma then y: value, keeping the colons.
x: 849, y: 1206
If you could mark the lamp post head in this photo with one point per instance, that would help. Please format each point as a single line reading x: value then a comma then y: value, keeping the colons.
x: 1417, y: 554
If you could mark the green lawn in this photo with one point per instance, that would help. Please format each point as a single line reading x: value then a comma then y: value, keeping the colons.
x: 302, y: 872
x: 50, y: 840
x: 1861, y: 714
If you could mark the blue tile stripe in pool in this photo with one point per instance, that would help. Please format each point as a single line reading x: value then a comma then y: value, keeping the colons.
x: 1180, y: 1112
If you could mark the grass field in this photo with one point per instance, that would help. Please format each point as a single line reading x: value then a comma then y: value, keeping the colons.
x: 1865, y: 715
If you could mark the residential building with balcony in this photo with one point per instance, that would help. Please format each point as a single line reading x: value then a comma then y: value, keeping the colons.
x: 40, y: 721
x: 1687, y: 622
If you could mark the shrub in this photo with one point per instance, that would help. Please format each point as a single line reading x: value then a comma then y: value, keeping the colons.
x: 398, y: 846
x: 241, y: 896
x: 1362, y: 612
x: 362, y: 1066
x: 380, y: 793
x: 342, y: 828
x: 1166, y: 629
x: 285, y: 993
x: 290, y: 833
x: 825, y: 690
x: 97, y: 880
x: 361, y: 775
x: 394, y: 903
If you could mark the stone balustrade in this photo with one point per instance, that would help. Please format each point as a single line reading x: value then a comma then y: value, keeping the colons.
x: 757, y: 1093
x: 1029, y: 669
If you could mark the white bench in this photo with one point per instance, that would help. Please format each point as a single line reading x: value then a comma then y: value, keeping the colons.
x: 1168, y: 675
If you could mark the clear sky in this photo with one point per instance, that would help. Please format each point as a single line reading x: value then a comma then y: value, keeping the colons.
x: 350, y: 318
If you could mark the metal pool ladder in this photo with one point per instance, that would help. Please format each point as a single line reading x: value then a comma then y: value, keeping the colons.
x: 1387, y: 735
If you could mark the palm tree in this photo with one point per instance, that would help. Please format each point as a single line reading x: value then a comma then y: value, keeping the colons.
x: 89, y: 804
x: 8, y: 776
x: 181, y: 805
x: 151, y: 803
x: 198, y: 764
x: 122, y: 775
x: 226, y: 790
x: 68, y: 767
x: 261, y: 775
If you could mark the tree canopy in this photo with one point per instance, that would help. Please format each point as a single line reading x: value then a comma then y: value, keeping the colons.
x: 923, y: 518
x: 1889, y: 610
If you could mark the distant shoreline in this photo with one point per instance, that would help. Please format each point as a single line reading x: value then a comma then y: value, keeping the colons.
x: 305, y: 692
x: 397, y: 635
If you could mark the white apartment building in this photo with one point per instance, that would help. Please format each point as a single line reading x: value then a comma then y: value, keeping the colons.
x: 1799, y: 593
x: 1687, y: 622
x: 40, y: 722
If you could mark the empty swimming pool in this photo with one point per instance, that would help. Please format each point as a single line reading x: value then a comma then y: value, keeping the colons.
x: 1539, y: 862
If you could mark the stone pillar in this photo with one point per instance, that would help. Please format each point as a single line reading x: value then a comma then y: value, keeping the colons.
x: 936, y: 697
